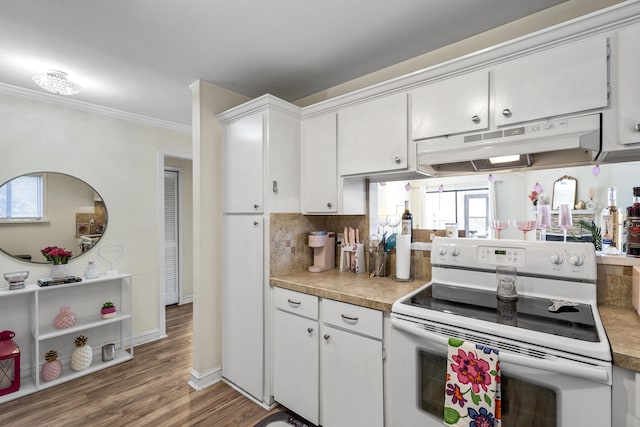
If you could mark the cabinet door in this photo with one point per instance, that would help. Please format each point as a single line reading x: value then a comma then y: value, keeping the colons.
x: 242, y: 303
x: 319, y: 165
x: 455, y: 105
x: 558, y: 81
x: 295, y: 364
x: 244, y: 165
x: 628, y: 85
x: 351, y: 379
x: 372, y: 136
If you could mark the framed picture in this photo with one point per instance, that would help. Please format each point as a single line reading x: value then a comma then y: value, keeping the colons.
x: 82, y: 229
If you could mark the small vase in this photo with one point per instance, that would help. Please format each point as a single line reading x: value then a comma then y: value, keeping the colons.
x: 65, y: 319
x: 91, y: 272
x: 59, y: 271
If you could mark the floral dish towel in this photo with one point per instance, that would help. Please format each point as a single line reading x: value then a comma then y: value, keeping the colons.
x: 472, y: 391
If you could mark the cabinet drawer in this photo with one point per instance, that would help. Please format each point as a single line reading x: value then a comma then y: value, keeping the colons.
x: 296, y: 302
x: 352, y: 317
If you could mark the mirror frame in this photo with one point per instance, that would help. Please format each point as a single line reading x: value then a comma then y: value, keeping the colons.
x: 562, y: 194
x: 78, y: 249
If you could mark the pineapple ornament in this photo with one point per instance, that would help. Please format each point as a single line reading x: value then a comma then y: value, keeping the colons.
x: 82, y: 355
x: 52, y: 368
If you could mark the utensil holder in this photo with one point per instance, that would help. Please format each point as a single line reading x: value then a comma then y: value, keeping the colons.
x: 378, y: 263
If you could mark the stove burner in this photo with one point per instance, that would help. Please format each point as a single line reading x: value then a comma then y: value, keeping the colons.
x: 527, y: 312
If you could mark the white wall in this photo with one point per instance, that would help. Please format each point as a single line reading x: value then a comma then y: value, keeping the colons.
x: 116, y: 157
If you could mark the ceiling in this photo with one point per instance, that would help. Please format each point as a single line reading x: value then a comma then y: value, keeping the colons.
x: 140, y: 56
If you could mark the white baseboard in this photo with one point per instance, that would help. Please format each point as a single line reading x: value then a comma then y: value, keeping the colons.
x: 265, y: 405
x: 148, y: 336
x: 200, y: 381
x: 187, y: 299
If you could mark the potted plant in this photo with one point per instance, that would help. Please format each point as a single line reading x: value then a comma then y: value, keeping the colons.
x: 108, y: 310
x: 60, y: 259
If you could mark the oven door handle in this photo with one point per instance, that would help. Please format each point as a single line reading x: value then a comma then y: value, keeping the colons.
x: 561, y: 366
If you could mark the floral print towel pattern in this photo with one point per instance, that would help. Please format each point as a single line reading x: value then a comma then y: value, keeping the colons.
x: 472, y: 392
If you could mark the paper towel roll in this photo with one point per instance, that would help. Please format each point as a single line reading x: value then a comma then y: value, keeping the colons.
x: 403, y: 257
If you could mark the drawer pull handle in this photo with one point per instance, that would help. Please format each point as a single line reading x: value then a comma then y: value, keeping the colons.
x: 326, y: 337
x: 309, y: 330
x: 349, y: 318
x: 294, y: 303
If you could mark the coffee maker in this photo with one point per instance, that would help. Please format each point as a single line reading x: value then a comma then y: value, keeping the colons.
x: 324, y: 250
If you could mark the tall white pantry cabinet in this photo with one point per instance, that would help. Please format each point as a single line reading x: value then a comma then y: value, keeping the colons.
x: 261, y: 172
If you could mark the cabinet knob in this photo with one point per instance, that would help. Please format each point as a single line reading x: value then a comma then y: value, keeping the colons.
x: 397, y: 160
x: 309, y: 330
x: 256, y: 206
x: 475, y: 119
x: 326, y: 337
x: 329, y: 205
x: 637, y: 127
x: 506, y: 112
x: 256, y: 223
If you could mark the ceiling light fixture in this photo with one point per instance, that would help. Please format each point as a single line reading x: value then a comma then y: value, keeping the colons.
x: 57, y: 82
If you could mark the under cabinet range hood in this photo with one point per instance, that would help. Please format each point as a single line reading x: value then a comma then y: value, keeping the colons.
x: 544, y: 144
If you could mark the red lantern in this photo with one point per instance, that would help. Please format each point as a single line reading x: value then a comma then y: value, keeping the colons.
x: 9, y: 363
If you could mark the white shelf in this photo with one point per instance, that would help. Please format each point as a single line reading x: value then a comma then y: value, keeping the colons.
x: 96, y: 365
x: 31, y: 316
x: 84, y: 323
x: 27, y: 386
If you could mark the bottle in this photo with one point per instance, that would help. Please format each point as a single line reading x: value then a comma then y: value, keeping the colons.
x: 407, y: 221
x: 633, y: 225
x: 610, y: 223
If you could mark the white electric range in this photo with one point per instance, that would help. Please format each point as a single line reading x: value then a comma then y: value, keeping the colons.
x: 555, y: 365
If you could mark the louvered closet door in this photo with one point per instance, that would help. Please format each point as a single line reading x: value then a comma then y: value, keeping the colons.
x: 171, y: 282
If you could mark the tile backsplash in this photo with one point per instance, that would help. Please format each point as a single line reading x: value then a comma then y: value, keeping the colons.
x: 289, y: 242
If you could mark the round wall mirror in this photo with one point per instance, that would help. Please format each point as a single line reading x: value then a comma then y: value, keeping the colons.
x: 49, y: 209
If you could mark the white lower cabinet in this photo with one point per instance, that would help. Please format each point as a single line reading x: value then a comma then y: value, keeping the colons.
x: 333, y: 378
x: 295, y: 353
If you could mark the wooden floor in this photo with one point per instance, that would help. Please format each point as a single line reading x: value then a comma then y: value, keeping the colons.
x: 149, y: 390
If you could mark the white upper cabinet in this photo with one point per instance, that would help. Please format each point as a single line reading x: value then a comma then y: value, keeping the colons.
x: 628, y: 73
x: 261, y: 153
x: 244, y: 165
x: 319, y: 165
x: 372, y: 136
x: 558, y: 81
x: 454, y: 105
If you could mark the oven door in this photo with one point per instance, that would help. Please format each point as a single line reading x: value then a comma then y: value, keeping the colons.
x: 536, y: 391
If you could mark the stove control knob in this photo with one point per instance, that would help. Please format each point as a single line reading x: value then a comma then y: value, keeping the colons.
x: 576, y: 260
x: 443, y: 251
x: 556, y: 259
x: 455, y: 252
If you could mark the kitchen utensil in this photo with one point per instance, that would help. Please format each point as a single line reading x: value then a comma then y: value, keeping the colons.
x: 390, y: 243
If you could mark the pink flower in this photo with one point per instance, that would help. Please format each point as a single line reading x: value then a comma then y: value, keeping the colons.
x: 471, y: 370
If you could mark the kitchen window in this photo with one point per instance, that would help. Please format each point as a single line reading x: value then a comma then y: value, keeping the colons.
x: 22, y: 199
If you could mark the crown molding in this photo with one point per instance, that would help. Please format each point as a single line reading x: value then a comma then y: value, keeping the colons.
x: 261, y: 103
x: 6, y: 89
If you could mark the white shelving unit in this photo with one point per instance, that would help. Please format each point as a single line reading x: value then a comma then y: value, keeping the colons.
x: 30, y: 313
